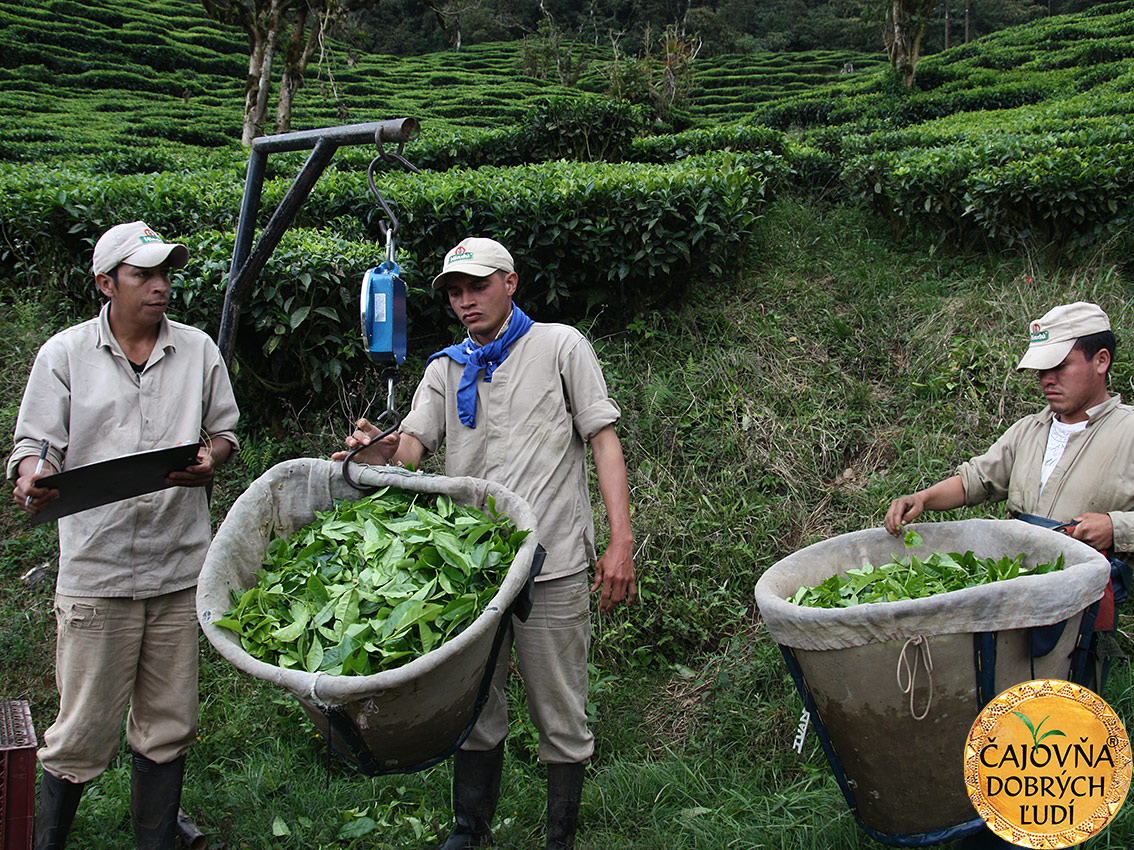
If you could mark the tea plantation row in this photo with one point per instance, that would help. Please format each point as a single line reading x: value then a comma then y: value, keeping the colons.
x: 1022, y: 138
x: 629, y: 236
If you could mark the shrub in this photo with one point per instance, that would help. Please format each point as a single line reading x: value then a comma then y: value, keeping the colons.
x: 625, y: 236
x: 1055, y: 200
x: 582, y: 128
x: 749, y: 138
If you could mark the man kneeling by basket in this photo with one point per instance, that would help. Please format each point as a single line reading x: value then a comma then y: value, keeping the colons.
x: 516, y: 402
x: 1071, y: 464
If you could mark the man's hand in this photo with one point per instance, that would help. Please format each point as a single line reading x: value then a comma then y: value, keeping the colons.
x: 204, y: 470
x: 364, y: 433
x: 1096, y: 530
x: 904, y: 510
x: 41, y: 497
x: 614, y: 573
x: 945, y: 495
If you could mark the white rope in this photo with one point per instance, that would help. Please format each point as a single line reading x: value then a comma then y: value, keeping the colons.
x: 921, y: 650
x: 315, y: 681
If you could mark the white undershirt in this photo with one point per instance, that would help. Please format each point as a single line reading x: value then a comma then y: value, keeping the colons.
x: 1056, y: 442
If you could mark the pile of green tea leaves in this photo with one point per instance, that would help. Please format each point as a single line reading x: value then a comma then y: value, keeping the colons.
x: 915, y: 578
x: 374, y: 583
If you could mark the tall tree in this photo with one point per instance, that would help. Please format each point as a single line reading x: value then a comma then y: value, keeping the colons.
x: 261, y: 21
x: 308, y: 25
x: 299, y: 25
x: 903, y: 27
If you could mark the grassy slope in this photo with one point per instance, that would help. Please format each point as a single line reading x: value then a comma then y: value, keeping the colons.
x: 771, y: 411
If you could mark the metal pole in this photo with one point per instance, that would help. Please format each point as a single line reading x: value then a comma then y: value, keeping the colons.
x: 397, y: 130
x: 249, y: 207
x: 240, y: 284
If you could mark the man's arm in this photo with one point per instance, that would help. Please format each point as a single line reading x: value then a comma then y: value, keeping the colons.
x: 942, y: 496
x: 614, y: 572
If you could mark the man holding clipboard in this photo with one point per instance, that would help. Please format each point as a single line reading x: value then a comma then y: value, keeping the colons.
x: 106, y: 394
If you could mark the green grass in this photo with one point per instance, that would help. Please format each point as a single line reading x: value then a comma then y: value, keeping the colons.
x: 772, y: 410
x: 779, y: 404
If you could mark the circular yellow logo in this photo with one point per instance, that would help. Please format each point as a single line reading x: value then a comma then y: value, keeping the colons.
x: 1047, y: 764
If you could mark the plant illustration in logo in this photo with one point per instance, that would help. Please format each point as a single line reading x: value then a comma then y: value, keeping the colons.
x: 1036, y: 736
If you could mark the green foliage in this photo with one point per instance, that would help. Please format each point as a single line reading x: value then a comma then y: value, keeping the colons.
x: 659, y: 78
x: 588, y: 235
x: 915, y: 578
x: 582, y: 128
x: 729, y: 137
x: 373, y: 584
x: 625, y: 236
x: 760, y: 414
x: 553, y: 54
x: 1008, y: 189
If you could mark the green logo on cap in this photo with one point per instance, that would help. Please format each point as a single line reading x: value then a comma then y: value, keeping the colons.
x: 1040, y: 336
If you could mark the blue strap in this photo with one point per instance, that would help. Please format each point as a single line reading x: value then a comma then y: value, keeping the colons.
x: 476, y: 358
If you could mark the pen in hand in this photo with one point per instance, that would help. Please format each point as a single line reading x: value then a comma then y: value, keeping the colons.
x: 38, y: 468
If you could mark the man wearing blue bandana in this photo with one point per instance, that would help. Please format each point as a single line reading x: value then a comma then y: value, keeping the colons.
x: 517, y: 402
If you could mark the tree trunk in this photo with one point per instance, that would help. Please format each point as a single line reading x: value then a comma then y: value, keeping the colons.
x: 306, y: 32
x: 905, y: 26
x: 263, y: 35
x: 251, y: 91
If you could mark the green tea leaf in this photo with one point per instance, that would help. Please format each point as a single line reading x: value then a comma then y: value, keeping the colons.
x: 915, y: 578
x: 373, y: 583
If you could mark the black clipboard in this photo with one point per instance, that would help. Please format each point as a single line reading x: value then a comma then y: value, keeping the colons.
x: 109, y: 481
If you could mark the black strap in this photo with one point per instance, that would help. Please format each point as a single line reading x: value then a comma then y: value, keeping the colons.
x: 984, y: 663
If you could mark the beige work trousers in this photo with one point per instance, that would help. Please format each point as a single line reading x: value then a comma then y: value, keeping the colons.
x: 111, y: 653
x: 551, y: 654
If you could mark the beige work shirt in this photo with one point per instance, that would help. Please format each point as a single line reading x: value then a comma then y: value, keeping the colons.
x: 1095, y: 474
x: 532, y: 422
x: 84, y: 397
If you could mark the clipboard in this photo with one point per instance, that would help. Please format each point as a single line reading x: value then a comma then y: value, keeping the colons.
x: 112, y: 480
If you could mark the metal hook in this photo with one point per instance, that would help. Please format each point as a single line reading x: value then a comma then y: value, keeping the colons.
x: 385, y: 414
x: 390, y: 415
x: 388, y: 230
x: 391, y: 156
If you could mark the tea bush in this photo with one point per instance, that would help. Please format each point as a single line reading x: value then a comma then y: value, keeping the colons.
x: 587, y: 235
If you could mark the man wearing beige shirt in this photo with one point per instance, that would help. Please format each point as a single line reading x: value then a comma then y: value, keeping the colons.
x: 517, y: 402
x: 1073, y: 461
x: 127, y: 381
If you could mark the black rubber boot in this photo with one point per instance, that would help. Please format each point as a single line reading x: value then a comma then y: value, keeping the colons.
x: 58, y: 800
x: 476, y: 789
x: 564, y: 791
x: 155, y: 795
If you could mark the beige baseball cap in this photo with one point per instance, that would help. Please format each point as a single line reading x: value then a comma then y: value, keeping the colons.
x: 477, y: 256
x: 137, y: 244
x: 1055, y: 333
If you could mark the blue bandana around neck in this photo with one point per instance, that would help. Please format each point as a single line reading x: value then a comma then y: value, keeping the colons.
x: 477, y: 357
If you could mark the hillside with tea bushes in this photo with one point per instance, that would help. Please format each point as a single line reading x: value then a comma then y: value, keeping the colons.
x: 809, y: 291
